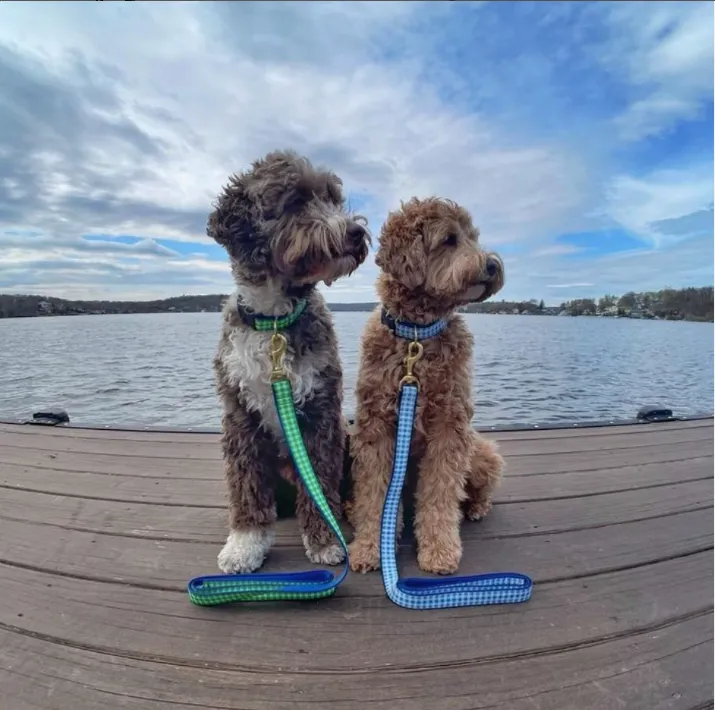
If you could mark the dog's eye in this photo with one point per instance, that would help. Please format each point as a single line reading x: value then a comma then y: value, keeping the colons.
x: 450, y: 240
x: 295, y: 201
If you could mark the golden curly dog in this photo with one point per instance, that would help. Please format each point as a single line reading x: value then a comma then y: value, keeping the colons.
x: 431, y: 264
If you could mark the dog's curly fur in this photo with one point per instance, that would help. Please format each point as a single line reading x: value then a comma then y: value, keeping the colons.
x: 431, y: 264
x: 285, y: 228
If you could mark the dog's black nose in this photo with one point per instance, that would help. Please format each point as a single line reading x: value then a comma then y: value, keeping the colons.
x: 492, y: 267
x: 356, y: 232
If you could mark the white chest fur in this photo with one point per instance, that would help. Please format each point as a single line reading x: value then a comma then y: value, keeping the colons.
x: 248, y: 368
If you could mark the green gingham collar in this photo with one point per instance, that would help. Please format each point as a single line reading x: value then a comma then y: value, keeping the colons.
x: 261, y: 322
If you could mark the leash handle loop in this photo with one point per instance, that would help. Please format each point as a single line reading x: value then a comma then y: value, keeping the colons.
x: 217, y: 589
x: 432, y: 593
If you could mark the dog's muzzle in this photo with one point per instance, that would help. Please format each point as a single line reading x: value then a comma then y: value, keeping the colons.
x: 489, y: 282
x: 356, y: 234
x: 357, y: 239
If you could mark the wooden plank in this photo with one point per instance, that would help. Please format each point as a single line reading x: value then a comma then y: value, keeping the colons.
x: 663, y: 668
x: 598, y: 461
x: 192, y: 436
x: 168, y: 490
x: 588, y: 445
x: 206, y: 525
x: 168, y: 564
x: 212, y: 469
x: 599, y: 431
x: 355, y: 632
x: 206, y: 448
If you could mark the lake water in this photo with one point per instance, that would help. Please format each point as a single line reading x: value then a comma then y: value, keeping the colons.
x: 156, y: 369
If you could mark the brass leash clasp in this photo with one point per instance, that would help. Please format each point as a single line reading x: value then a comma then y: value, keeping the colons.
x: 414, y: 353
x: 277, y: 351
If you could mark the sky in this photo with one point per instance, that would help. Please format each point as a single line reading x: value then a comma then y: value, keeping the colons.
x: 578, y: 135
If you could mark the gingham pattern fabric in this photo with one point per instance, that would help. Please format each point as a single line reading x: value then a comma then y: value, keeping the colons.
x: 314, y: 584
x: 412, y: 331
x: 266, y: 323
x: 433, y: 593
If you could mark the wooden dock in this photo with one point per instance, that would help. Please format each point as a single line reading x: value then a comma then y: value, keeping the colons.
x: 100, y: 531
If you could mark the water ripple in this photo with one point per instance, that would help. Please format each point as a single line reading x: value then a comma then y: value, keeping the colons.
x: 156, y: 369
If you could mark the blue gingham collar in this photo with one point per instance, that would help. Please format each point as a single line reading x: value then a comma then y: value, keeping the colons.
x: 413, y: 331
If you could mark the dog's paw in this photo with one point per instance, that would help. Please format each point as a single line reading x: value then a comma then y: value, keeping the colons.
x: 364, y: 557
x: 478, y: 510
x: 245, y: 550
x: 436, y: 560
x: 330, y: 554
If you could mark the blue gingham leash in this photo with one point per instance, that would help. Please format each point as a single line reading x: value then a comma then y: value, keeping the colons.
x: 429, y: 592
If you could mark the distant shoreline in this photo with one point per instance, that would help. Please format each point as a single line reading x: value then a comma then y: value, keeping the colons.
x: 691, y: 304
x: 359, y: 310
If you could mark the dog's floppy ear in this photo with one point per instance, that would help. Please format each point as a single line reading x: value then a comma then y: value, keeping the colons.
x: 216, y: 229
x: 230, y: 219
x: 401, y: 253
x: 405, y: 264
x: 232, y: 225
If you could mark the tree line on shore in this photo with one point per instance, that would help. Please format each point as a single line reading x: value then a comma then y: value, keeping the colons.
x: 669, y: 304
x: 692, y: 303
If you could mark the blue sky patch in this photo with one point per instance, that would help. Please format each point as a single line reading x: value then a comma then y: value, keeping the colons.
x: 600, y: 243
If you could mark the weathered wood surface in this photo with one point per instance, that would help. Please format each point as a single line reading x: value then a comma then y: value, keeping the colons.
x: 100, y: 530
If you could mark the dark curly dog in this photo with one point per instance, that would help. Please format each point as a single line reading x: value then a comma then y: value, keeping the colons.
x: 431, y: 264
x: 285, y: 228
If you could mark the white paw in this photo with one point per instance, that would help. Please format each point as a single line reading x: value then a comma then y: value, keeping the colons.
x: 331, y: 554
x: 245, y: 550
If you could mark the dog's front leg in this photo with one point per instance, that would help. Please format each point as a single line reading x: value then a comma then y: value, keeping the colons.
x: 440, y: 491
x: 372, y: 446
x: 252, y: 510
x: 324, y: 437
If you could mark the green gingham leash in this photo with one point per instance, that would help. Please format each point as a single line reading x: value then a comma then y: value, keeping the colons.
x: 212, y: 590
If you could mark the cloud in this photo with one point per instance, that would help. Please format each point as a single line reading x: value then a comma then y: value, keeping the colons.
x: 666, y: 50
x: 543, y: 120
x: 652, y: 205
x: 34, y: 243
x: 557, y: 250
